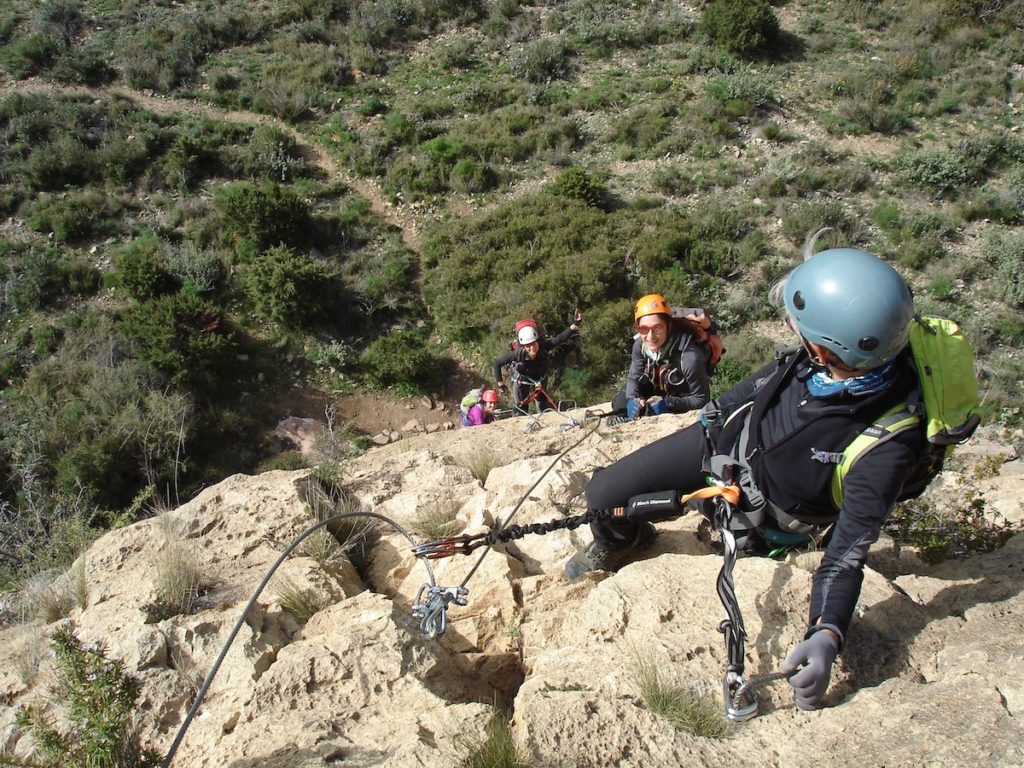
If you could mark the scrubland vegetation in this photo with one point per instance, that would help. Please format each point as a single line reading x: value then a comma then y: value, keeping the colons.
x: 166, y: 274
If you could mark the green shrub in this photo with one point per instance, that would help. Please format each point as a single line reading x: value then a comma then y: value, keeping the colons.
x: 806, y: 218
x: 195, y: 270
x: 266, y: 215
x: 1006, y: 253
x: 472, y: 177
x: 744, y: 27
x: 938, y: 171
x: 75, y: 216
x: 182, y: 336
x: 287, y: 287
x: 81, y: 277
x: 955, y: 526
x: 34, y: 276
x: 404, y: 358
x: 141, y: 269
x: 381, y: 280
x: 28, y: 55
x: 273, y: 155
x: 98, y: 700
x: 886, y: 215
x: 102, y: 471
x: 577, y: 184
x: 756, y: 90
x: 941, y: 287
x: 543, y: 60
x: 286, y: 460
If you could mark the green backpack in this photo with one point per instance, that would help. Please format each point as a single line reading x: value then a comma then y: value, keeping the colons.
x: 947, y: 409
x: 470, y: 399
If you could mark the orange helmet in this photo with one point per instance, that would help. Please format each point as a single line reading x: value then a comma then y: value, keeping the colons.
x: 651, y: 304
x: 489, y: 396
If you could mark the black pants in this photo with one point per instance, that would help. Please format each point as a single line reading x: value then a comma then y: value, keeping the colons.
x: 672, y: 463
x: 523, y: 391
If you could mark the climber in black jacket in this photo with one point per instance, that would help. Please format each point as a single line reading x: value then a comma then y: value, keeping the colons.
x: 789, y: 423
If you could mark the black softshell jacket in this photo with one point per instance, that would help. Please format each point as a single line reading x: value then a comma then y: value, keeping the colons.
x: 537, y: 368
x: 793, y: 445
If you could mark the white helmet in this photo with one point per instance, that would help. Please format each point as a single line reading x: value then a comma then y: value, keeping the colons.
x: 527, y: 335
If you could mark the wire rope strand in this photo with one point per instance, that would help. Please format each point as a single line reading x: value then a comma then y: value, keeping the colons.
x: 201, y: 694
x: 525, y: 496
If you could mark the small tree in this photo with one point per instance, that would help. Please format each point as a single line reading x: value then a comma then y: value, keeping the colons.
x: 580, y: 185
x: 181, y: 335
x: 288, y: 287
x: 744, y: 27
x: 266, y: 215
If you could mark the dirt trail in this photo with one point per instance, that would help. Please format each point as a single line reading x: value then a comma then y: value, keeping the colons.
x: 311, y: 151
x: 368, y: 413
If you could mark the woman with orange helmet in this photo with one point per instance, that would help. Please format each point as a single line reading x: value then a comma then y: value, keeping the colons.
x: 670, y: 363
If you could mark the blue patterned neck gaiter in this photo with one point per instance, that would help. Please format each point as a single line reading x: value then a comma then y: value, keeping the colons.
x: 821, y: 384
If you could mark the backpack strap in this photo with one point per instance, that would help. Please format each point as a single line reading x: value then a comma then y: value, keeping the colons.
x: 893, y: 422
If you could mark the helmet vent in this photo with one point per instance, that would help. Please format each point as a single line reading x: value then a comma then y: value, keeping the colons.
x: 868, y: 343
x: 798, y: 300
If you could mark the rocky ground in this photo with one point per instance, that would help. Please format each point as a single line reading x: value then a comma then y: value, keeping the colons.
x: 929, y: 677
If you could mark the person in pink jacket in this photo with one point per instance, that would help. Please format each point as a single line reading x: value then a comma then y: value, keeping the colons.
x: 483, y: 411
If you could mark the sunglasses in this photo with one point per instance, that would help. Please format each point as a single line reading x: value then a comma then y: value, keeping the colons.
x: 645, y: 330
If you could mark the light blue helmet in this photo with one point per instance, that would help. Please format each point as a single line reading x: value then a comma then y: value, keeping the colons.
x: 852, y: 303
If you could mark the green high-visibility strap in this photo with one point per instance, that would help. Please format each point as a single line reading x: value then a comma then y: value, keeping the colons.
x: 893, y: 422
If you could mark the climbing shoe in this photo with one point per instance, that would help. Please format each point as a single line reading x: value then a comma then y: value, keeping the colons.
x: 598, y: 557
x: 615, y: 420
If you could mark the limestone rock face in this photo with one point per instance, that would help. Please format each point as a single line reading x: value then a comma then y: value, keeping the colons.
x: 335, y: 668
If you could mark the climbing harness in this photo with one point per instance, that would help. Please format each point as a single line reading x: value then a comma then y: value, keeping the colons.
x: 539, y: 394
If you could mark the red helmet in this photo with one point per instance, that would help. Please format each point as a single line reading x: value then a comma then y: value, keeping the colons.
x: 489, y: 396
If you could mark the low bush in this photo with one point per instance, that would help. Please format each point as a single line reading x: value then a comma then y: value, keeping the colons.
x: 956, y: 525
x: 544, y: 60
x: 98, y: 702
x: 75, y: 216
x: 744, y: 27
x: 181, y: 335
x: 141, y: 268
x: 266, y: 215
x: 1006, y: 254
x: 288, y: 288
x: 407, y: 358
x: 577, y: 184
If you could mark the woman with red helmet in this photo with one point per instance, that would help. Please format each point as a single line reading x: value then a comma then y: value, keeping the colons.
x: 483, y: 411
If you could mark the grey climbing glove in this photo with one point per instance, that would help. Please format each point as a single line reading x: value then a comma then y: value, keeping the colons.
x: 814, y: 658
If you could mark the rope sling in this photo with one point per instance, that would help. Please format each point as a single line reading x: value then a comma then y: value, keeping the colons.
x: 737, y: 691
